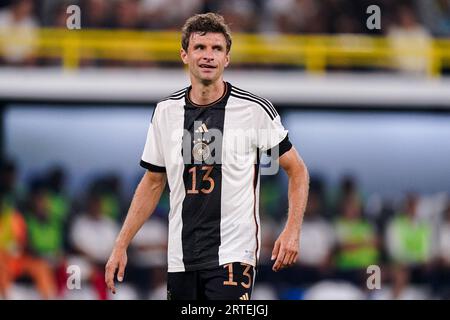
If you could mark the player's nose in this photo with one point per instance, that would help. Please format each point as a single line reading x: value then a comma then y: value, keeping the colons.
x: 208, y: 55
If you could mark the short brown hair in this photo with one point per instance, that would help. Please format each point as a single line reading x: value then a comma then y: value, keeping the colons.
x: 204, y: 23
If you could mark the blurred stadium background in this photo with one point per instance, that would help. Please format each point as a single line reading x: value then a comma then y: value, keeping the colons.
x: 369, y: 111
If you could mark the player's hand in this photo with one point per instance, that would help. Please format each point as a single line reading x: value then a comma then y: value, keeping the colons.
x: 285, y: 250
x: 117, y: 260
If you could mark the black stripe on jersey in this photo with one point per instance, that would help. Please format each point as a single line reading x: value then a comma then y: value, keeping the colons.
x: 201, y: 209
x: 234, y: 94
x: 152, y: 167
x: 263, y: 100
x: 179, y: 91
x: 255, y: 185
x: 176, y: 95
x: 267, y: 102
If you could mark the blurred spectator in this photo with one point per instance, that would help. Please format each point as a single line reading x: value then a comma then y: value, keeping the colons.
x: 436, y: 15
x: 108, y: 188
x: 58, y: 15
x: 15, y: 261
x: 316, y: 247
x: 95, y: 14
x: 348, y: 187
x: 408, y: 238
x: 92, y: 235
x: 342, y: 16
x: 411, y: 42
x: 185, y: 9
x: 11, y: 192
x: 127, y: 15
x: 112, y: 201
x: 46, y: 216
x: 45, y: 228
x: 239, y: 14
x: 148, y: 253
x: 157, y: 14
x: 59, y: 202
x: 272, y: 202
x: 92, y: 230
x: 18, y: 26
x: 295, y: 16
x: 317, y: 236
x: 357, y: 239
x: 12, y: 238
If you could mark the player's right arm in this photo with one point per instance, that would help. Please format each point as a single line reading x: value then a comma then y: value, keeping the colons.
x: 144, y: 202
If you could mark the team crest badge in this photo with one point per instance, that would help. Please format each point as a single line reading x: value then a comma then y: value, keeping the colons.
x: 201, y: 150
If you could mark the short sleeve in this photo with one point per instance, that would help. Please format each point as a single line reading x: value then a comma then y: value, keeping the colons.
x: 272, y: 136
x: 153, y: 157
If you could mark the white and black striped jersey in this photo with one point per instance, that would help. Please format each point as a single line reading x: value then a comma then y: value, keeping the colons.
x: 211, y: 157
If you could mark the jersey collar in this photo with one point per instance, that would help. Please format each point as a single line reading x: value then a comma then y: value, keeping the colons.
x: 221, y: 102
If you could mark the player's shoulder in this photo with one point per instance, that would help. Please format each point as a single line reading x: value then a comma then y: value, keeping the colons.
x: 171, y: 100
x: 175, y: 97
x: 259, y: 103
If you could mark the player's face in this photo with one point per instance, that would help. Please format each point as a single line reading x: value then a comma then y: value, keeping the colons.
x: 206, y: 56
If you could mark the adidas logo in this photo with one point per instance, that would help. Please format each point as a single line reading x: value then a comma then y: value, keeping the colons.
x: 244, y: 297
x: 202, y: 128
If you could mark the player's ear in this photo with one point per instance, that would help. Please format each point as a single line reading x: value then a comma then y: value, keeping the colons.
x: 227, y: 59
x: 183, y: 55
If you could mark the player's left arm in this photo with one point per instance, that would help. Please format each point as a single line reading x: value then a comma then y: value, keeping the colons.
x: 286, y: 248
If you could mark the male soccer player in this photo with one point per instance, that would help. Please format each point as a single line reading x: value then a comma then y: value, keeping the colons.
x: 206, y: 140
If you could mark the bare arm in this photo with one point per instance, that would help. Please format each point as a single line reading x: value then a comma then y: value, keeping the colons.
x: 144, y: 202
x: 286, y: 247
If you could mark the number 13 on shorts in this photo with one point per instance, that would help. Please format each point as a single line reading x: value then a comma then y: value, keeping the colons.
x: 240, y: 275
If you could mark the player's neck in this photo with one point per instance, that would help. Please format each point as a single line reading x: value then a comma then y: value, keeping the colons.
x: 202, y: 94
